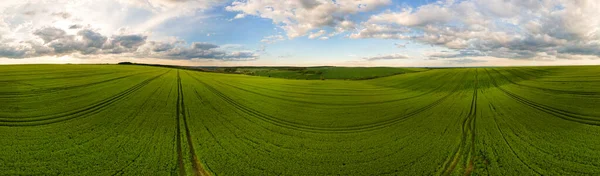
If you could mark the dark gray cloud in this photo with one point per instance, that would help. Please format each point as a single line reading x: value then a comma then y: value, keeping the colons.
x: 12, y: 52
x: 92, y: 41
x: 198, y: 50
x: 49, y: 34
x: 128, y: 41
x: 203, y: 46
x: 75, y: 26
x: 57, y: 42
x: 309, y: 4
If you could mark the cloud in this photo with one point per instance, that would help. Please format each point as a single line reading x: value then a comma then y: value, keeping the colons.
x: 178, y: 50
x: 383, y: 31
x: 50, y: 34
x: 506, y: 29
x: 399, y: 45
x: 316, y: 34
x: 63, y: 15
x: 300, y: 17
x: 203, y: 46
x: 386, y: 57
x: 53, y: 41
x: 239, y: 16
x: 465, y: 61
x: 272, y: 39
x: 128, y: 41
x: 75, y: 26
x: 454, y: 54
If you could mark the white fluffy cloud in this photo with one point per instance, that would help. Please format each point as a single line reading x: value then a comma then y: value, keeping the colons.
x: 518, y: 29
x: 299, y: 17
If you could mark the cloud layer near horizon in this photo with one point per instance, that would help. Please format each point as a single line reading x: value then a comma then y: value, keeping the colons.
x: 464, y: 30
x: 60, y: 27
x: 516, y: 29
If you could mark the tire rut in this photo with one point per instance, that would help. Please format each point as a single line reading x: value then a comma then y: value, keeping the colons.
x: 566, y: 115
x: 466, y: 149
x: 511, y: 148
x: 181, y: 114
x: 85, y: 111
x: 287, y: 124
x: 544, y: 89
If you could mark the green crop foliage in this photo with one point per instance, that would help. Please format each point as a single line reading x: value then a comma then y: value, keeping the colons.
x: 142, y: 120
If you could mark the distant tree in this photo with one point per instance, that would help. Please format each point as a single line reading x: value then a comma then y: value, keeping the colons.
x: 230, y: 70
x: 125, y: 63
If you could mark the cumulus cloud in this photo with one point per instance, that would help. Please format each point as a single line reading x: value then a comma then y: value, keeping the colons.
x: 383, y: 31
x: 77, y: 28
x: 386, y: 57
x: 53, y: 41
x: 300, y: 17
x: 179, y: 50
x: 499, y: 28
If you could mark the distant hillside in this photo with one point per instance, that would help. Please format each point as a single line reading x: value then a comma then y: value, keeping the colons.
x: 314, y: 73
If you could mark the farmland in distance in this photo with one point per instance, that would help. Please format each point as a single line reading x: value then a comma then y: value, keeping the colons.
x: 141, y: 120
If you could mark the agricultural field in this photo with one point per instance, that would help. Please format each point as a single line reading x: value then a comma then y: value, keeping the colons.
x: 314, y: 73
x: 142, y: 120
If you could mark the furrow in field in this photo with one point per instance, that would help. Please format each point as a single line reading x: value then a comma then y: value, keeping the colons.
x: 550, y: 110
x: 466, y: 149
x: 89, y: 110
x: 181, y: 114
x: 544, y: 89
x: 287, y: 124
x: 336, y: 104
x: 178, y: 133
x: 121, y: 171
x: 54, y: 89
x: 509, y: 146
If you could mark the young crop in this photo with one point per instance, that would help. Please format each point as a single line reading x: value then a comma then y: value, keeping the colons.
x: 142, y: 120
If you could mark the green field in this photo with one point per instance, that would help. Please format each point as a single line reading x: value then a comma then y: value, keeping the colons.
x: 314, y: 73
x: 141, y: 120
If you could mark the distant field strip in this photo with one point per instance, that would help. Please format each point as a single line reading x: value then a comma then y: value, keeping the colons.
x: 141, y: 120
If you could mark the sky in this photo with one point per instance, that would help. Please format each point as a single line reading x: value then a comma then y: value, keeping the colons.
x: 399, y: 33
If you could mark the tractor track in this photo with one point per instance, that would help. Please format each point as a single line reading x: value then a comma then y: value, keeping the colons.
x: 55, y: 89
x: 544, y: 89
x: 182, y: 115
x: 287, y: 124
x: 511, y: 148
x: 85, y: 111
x: 466, y: 149
x: 336, y: 104
x: 566, y: 115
